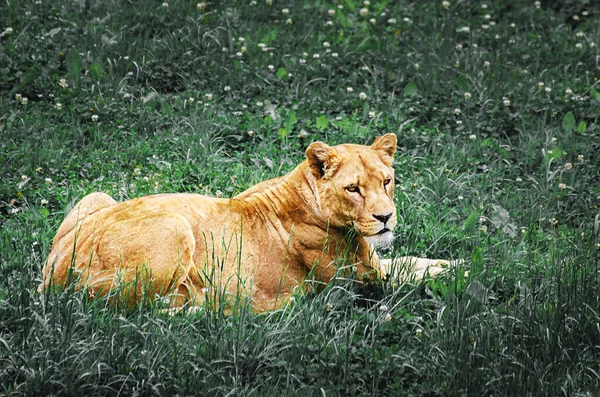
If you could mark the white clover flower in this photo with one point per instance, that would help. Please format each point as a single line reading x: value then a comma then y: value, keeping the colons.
x: 8, y: 31
x: 367, y: 3
x: 579, y: 34
x: 288, y: 21
x: 126, y: 95
x: 457, y: 112
x: 467, y: 95
x: 548, y: 89
x: 569, y: 166
x: 363, y: 12
x: 18, y: 97
x: 484, y: 6
x: 383, y: 308
x: 326, y: 44
x: 285, y: 11
x: 250, y: 133
x: 165, y: 4
x: 58, y: 106
x: 472, y: 137
x: 328, y: 307
x: 95, y: 117
x: 341, y: 7
x: 458, y: 122
x: 459, y: 47
x: 243, y: 49
x: 506, y: 102
x: 391, y: 21
x: 406, y: 19
x: 518, y: 180
x: 208, y: 96
x: 24, y: 100
x: 239, y: 54
x: 14, y: 211
x: 541, y: 85
x: 580, y: 157
x: 492, y: 23
x: 562, y: 186
x: 227, y: 88
x: 24, y: 177
x: 446, y: 4
x: 537, y: 4
x: 331, y: 12
x: 201, y: 6
x: 349, y: 89
x: 554, y: 221
x: 362, y: 96
x: 419, y: 332
x: 487, y: 16
x: 316, y: 56
x: 269, y: 2
x: 44, y: 202
x: 302, y: 134
x: 302, y: 61
x: 63, y: 83
x: 334, y: 54
x: 48, y: 181
x: 373, y: 21
x: 329, y: 23
x: 579, y: 46
x: 371, y: 114
x: 513, y: 25
x: 259, y: 103
x: 137, y: 171
x: 271, y: 67
x: 485, y: 26
x: 483, y: 228
x: 338, y: 118
x: 465, y: 29
x: 261, y: 45
x: 388, y: 317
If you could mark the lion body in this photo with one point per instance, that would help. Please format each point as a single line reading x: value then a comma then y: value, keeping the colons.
x: 265, y: 242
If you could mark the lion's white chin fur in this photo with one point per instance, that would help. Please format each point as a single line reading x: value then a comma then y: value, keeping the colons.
x: 383, y: 240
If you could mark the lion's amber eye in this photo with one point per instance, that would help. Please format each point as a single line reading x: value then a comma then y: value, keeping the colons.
x: 386, y: 181
x: 352, y: 188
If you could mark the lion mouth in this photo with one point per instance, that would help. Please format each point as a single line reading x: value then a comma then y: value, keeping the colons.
x: 382, y: 231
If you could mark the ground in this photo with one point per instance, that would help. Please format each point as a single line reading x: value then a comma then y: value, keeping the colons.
x: 496, y: 108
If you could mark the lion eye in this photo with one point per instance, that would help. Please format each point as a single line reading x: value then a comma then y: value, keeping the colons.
x: 386, y: 181
x: 352, y: 188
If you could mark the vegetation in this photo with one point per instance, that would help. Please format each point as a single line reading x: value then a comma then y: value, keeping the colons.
x: 496, y: 107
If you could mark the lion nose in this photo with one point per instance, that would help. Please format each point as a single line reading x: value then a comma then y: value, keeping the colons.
x: 383, y: 218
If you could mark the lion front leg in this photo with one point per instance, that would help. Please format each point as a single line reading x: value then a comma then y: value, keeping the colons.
x: 409, y: 268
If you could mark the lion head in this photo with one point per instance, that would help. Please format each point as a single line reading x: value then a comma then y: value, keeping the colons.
x: 354, y: 186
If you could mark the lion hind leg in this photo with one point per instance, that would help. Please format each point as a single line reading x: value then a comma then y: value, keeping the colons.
x: 154, y: 252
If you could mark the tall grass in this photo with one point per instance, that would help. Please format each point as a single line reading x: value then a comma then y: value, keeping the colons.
x: 496, y: 108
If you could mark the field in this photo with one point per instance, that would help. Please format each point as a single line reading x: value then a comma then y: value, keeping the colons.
x: 496, y: 106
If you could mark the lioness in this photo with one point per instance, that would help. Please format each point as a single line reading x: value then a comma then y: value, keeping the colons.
x: 328, y: 213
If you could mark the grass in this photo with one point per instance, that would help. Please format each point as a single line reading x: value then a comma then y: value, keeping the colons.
x: 496, y: 109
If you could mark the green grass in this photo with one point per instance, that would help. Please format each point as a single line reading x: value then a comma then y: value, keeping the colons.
x: 492, y: 167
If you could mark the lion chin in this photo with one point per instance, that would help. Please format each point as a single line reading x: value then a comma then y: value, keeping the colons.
x: 381, y: 240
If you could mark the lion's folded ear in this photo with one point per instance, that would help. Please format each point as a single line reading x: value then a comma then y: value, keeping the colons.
x: 323, y: 160
x: 386, y: 144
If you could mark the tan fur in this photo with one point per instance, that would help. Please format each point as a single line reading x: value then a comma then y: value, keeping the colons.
x: 264, y: 243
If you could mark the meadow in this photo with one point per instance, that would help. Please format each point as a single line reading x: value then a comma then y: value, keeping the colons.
x: 496, y: 107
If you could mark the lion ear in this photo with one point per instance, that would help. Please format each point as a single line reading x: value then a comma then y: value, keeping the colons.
x: 322, y: 159
x: 386, y: 144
